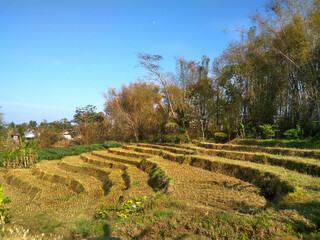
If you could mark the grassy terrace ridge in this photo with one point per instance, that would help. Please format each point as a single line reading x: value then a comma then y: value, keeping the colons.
x: 172, y: 148
x: 37, y: 189
x: 103, y: 174
x: 302, y: 144
x: 107, y: 155
x: 272, y: 185
x: 94, y: 159
x: 277, y: 181
x: 302, y: 165
x: 154, y: 151
x: 127, y: 153
x: 209, y: 190
x: 49, y: 171
x: 112, y: 181
x: 135, y: 179
x: 308, y: 153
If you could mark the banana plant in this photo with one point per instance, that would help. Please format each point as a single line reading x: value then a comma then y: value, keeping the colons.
x: 10, y: 157
x: 23, y: 148
x: 33, y: 151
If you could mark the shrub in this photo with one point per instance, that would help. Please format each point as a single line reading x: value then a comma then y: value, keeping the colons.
x: 251, y: 132
x: 268, y: 130
x: 221, y: 137
x: 183, y: 138
x: 111, y: 144
x: 293, y: 133
x: 48, y: 138
x: 316, y: 138
x: 4, y: 213
x: 169, y: 138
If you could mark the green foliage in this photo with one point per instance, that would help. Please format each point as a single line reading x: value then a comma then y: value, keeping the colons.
x: 86, y: 228
x: 24, y: 155
x: 221, y: 137
x: 242, y: 130
x: 48, y: 138
x: 97, y: 146
x: 58, y: 153
x: 111, y: 144
x: 315, y: 138
x: 128, y: 208
x: 176, y: 138
x: 316, y: 123
x: 251, y: 132
x: 293, y: 133
x: 268, y: 130
x: 4, y: 212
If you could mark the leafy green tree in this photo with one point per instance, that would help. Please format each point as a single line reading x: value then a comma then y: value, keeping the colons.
x: 90, y: 124
x: 268, y: 130
x: 293, y: 133
x: 32, y: 125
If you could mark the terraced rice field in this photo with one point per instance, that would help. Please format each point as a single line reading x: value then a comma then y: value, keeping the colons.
x: 215, y: 178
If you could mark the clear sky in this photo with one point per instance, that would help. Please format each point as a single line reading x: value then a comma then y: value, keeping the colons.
x: 56, y: 55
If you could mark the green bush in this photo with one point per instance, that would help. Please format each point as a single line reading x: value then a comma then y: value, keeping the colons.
x: 169, y: 138
x: 316, y: 138
x: 183, y: 138
x: 293, y: 133
x: 221, y: 137
x: 251, y: 132
x: 111, y: 144
x: 268, y: 130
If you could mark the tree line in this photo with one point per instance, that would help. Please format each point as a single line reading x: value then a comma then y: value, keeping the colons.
x: 270, y: 76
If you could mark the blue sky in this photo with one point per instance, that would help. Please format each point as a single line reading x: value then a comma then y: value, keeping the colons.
x: 62, y: 54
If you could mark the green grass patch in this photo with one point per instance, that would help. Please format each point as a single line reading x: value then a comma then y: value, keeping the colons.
x: 90, y: 228
x: 58, y: 153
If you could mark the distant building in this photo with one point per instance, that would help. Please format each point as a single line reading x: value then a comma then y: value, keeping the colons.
x: 15, y: 136
x: 66, y: 135
x: 29, y: 135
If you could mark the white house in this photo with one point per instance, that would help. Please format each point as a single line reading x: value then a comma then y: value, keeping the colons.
x: 29, y: 135
x: 66, y: 135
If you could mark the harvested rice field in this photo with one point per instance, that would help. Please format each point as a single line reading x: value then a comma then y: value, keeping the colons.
x: 194, y: 191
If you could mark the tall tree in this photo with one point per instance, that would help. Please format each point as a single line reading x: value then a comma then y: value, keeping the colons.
x: 152, y: 64
x: 134, y: 109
